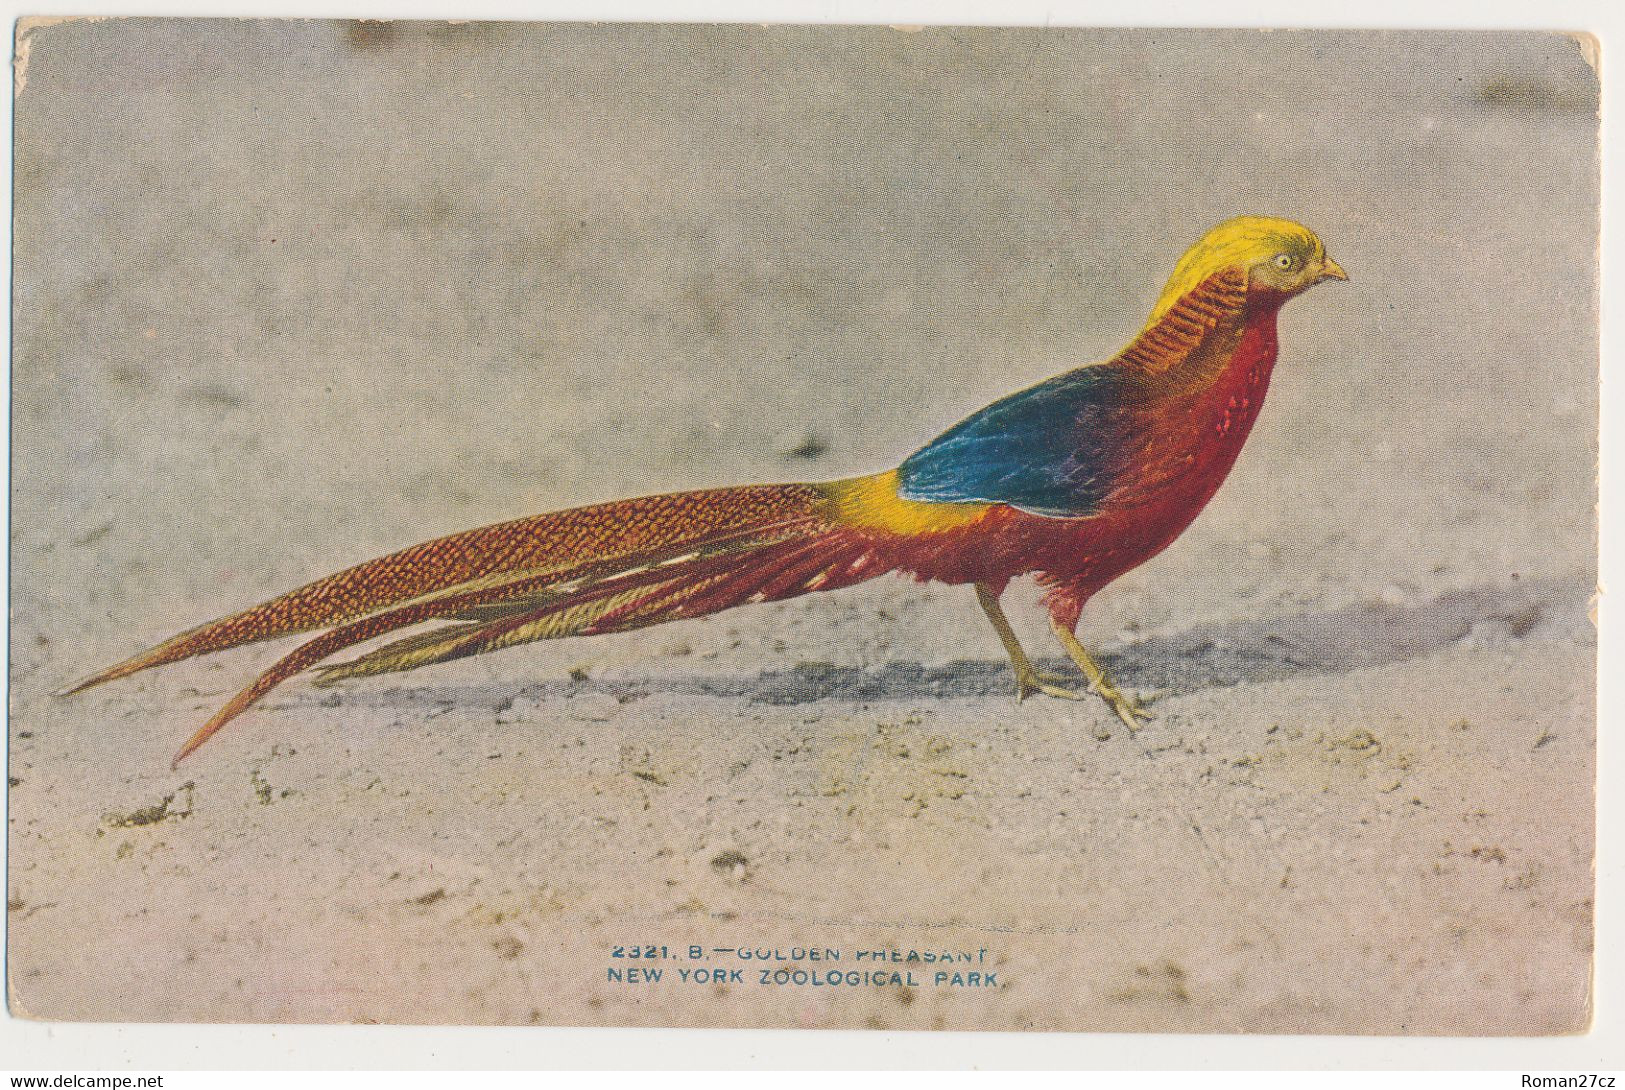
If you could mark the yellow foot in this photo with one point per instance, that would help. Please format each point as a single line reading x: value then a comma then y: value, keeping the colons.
x: 1031, y: 681
x: 1130, y: 709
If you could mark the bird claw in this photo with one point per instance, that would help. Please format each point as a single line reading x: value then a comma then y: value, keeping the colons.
x: 1047, y: 684
x: 1131, y: 710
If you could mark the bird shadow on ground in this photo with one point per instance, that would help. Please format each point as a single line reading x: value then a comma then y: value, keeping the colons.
x: 1339, y: 641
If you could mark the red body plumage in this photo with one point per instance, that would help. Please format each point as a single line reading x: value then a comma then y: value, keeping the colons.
x: 1190, y: 441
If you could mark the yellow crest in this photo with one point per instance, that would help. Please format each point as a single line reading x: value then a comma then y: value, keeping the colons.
x: 1240, y: 241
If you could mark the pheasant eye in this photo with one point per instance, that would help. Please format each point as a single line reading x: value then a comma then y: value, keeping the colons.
x: 1285, y: 261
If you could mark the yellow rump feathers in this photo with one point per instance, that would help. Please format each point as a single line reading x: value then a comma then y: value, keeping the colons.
x: 872, y: 503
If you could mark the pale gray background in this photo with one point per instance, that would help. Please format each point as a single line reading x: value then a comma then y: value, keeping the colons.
x: 293, y: 295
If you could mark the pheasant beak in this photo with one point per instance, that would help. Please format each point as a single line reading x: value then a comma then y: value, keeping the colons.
x: 1331, y: 270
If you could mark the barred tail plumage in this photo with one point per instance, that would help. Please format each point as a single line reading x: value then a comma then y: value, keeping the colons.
x: 605, y: 568
x: 553, y: 540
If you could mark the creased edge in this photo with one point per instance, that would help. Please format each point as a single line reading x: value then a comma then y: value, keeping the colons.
x: 27, y: 27
x: 1590, y: 48
x: 15, y: 1005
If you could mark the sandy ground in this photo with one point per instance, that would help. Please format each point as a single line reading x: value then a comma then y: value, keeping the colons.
x: 293, y: 296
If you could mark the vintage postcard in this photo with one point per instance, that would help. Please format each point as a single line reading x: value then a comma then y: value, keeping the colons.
x: 829, y: 527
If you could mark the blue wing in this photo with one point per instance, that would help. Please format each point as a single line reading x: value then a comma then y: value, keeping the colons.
x: 1046, y: 450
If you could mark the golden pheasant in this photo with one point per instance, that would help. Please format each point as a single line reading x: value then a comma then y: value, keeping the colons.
x: 1074, y: 481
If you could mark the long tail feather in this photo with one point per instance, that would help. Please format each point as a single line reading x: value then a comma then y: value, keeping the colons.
x: 565, y: 617
x: 552, y: 542
x: 589, y: 570
x: 707, y: 572
x: 562, y: 618
x: 750, y: 575
x: 404, y: 652
x: 736, y: 583
x: 571, y: 603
